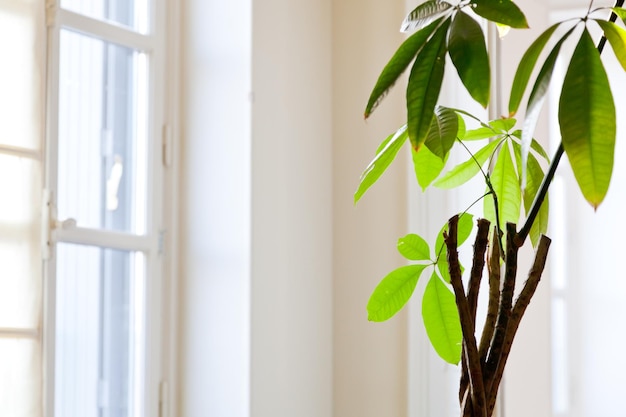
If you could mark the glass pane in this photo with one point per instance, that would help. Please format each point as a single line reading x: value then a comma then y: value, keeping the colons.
x: 20, y: 280
x: 99, y: 332
x: 102, y: 134
x: 130, y: 13
x: 20, y: 378
x: 21, y: 74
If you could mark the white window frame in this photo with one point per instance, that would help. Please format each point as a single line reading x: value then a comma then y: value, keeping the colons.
x: 157, y: 243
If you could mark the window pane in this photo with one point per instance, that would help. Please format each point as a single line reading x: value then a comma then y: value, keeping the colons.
x: 99, y: 332
x: 102, y: 134
x: 20, y: 280
x: 20, y: 75
x: 130, y: 13
x: 20, y: 378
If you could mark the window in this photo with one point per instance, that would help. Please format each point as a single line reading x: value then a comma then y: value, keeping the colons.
x: 103, y: 209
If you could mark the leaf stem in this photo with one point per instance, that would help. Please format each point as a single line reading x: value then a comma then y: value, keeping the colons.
x: 521, y: 236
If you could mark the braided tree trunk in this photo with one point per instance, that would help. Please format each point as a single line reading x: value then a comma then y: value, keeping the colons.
x: 483, y: 363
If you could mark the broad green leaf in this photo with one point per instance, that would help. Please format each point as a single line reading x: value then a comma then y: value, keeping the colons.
x: 478, y: 134
x: 414, y: 248
x: 535, y: 101
x: 617, y: 38
x: 503, y: 125
x: 466, y: 45
x: 506, y: 186
x: 397, y: 65
x: 620, y: 12
x: 501, y: 11
x: 427, y: 166
x: 534, y: 145
x: 525, y: 68
x: 465, y: 171
x: 587, y: 120
x: 535, y: 177
x: 424, y: 14
x: 441, y: 320
x: 424, y: 85
x: 393, y: 292
x: 385, y: 155
x: 461, y: 122
x: 443, y: 131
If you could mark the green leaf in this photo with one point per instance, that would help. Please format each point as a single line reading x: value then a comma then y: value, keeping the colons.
x: 427, y: 166
x: 587, y: 120
x: 424, y: 14
x: 534, y: 145
x: 621, y: 12
x: 443, y: 131
x: 461, y: 123
x: 501, y: 11
x: 525, y: 68
x: 503, y: 125
x: 414, y: 248
x: 535, y: 177
x: 384, y: 156
x: 617, y: 38
x: 396, y: 66
x: 506, y: 186
x: 424, y: 86
x: 479, y: 134
x: 393, y: 292
x: 441, y: 320
x: 535, y: 101
x: 465, y: 171
x: 468, y: 53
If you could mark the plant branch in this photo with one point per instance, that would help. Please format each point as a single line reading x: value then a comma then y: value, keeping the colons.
x: 480, y: 247
x: 494, y: 295
x: 470, y: 350
x: 523, y: 300
x: 520, y: 238
x: 504, y: 310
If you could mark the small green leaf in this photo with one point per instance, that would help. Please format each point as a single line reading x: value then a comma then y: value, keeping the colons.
x: 501, y: 11
x: 424, y: 85
x: 414, y: 248
x: 397, y: 65
x: 443, y: 131
x: 620, y: 12
x: 441, y: 320
x: 465, y: 171
x: 525, y: 68
x: 503, y: 125
x: 424, y: 14
x: 468, y: 53
x: 479, y: 134
x: 427, y: 166
x: 506, y: 186
x: 461, y: 122
x: 535, y: 101
x: 587, y: 120
x: 464, y: 230
x: 617, y: 38
x: 535, y: 177
x: 534, y: 145
x: 385, y: 155
x: 393, y: 292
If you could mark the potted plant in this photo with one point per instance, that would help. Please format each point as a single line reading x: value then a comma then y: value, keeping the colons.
x: 508, y: 159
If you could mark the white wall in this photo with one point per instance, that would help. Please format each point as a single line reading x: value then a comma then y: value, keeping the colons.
x: 370, y: 362
x: 291, y: 209
x: 276, y: 262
